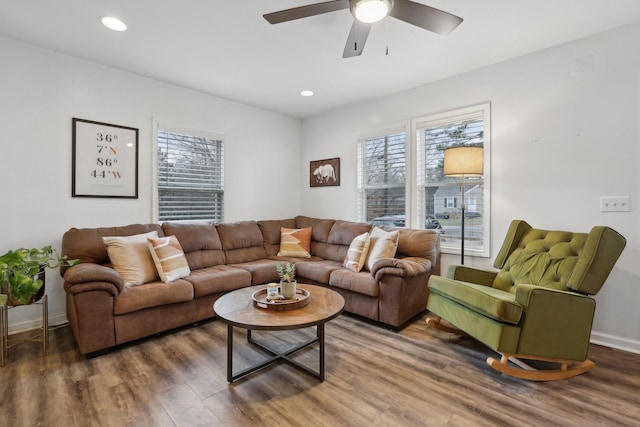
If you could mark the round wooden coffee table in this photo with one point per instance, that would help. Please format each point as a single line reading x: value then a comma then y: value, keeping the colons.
x: 237, y: 309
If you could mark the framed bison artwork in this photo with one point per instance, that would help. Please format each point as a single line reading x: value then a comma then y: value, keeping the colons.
x: 324, y: 173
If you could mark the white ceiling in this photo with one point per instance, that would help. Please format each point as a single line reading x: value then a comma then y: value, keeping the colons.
x: 225, y: 48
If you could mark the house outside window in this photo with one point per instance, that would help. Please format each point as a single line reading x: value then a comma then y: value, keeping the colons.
x: 449, y: 202
x: 382, y: 178
x: 190, y: 178
x: 440, y: 197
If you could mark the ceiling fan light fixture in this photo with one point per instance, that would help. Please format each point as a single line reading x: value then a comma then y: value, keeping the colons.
x: 370, y: 11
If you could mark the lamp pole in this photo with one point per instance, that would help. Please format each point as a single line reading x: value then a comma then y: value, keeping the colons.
x: 462, y: 224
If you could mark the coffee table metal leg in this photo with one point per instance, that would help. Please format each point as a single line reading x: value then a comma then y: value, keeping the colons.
x: 229, y: 353
x: 320, y: 332
x: 277, y: 355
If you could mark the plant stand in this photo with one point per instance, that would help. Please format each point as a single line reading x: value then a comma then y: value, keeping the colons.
x: 41, y: 336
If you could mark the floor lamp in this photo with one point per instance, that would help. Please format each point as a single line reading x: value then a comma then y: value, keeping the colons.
x: 463, y: 161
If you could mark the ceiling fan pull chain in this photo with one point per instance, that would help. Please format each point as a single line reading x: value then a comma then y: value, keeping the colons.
x: 355, y: 41
x: 386, y: 27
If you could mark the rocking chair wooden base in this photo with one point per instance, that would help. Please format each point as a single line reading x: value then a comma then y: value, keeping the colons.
x: 436, y: 323
x: 568, y: 368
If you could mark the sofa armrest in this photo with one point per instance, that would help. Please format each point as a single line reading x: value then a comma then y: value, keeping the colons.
x: 531, y: 295
x: 87, y: 277
x: 405, y: 267
x: 471, y: 275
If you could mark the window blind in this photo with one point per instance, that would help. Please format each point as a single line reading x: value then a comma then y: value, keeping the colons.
x: 190, y: 177
x: 382, y: 178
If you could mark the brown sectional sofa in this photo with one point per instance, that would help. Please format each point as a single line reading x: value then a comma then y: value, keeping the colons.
x: 103, y: 313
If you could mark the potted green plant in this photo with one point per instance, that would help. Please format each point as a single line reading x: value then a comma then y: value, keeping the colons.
x: 287, y: 273
x: 22, y: 273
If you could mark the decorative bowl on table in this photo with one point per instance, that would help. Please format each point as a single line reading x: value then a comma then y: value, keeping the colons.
x: 301, y: 298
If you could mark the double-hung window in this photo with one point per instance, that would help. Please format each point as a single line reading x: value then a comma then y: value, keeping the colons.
x: 439, y: 197
x: 190, y: 179
x: 382, y: 178
x: 401, y: 182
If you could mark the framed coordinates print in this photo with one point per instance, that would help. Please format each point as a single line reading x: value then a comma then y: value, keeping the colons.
x: 105, y: 160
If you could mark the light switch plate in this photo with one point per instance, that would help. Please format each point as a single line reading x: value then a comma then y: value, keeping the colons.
x: 615, y: 204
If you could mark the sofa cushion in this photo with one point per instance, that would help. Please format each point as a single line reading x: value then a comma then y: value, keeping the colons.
x: 341, y: 235
x: 221, y: 278
x: 383, y: 245
x: 357, y: 253
x: 321, y: 227
x: 488, y: 301
x: 152, y: 294
x: 168, y: 258
x: 200, y: 242
x: 343, y: 232
x: 131, y: 258
x: 361, y: 283
x: 418, y: 243
x: 328, y: 251
x: 270, y: 230
x: 295, y: 242
x: 86, y: 244
x: 262, y: 270
x: 318, y: 270
x: 241, y: 242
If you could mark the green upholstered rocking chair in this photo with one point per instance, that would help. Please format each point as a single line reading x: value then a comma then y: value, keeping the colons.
x: 537, y: 306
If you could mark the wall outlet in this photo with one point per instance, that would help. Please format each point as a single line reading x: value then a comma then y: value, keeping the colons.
x: 615, y: 204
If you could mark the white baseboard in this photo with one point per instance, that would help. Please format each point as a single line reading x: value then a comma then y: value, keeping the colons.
x: 31, y: 324
x: 614, y: 341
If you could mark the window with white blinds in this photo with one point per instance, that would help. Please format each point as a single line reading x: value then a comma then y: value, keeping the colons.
x: 440, y: 197
x: 382, y: 177
x: 190, y: 176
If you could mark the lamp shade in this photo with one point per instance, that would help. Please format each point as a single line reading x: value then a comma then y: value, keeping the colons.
x: 463, y: 161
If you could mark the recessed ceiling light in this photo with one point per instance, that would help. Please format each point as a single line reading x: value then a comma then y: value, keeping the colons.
x: 306, y: 93
x: 113, y: 23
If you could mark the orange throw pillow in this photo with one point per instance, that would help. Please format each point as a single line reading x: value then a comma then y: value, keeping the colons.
x: 295, y: 242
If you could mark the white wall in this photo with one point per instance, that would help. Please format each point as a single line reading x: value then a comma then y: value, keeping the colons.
x: 565, y: 126
x: 40, y: 91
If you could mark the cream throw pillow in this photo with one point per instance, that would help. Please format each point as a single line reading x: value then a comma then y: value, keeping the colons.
x: 131, y: 258
x: 357, y: 253
x: 383, y: 245
x: 169, y: 258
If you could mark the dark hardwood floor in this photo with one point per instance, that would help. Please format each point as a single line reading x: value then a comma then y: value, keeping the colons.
x: 375, y: 377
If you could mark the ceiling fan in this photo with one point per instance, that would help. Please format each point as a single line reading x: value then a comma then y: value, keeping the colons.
x: 367, y: 12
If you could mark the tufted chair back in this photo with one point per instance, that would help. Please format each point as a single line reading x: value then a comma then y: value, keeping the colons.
x: 562, y: 260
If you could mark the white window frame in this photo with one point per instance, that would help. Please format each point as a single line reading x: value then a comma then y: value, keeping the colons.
x: 361, y: 187
x: 417, y: 186
x: 155, y: 199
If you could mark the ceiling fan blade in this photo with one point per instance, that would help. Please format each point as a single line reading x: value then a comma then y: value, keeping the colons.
x: 357, y: 38
x: 306, y: 11
x: 426, y: 17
